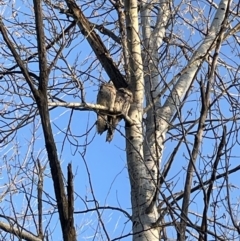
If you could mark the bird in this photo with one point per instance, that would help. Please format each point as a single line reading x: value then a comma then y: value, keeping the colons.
x: 106, y: 97
x: 122, y: 104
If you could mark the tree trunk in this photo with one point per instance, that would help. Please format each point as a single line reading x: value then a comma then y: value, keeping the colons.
x: 140, y: 174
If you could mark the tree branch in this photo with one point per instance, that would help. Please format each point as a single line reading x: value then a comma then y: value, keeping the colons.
x: 70, y: 193
x: 41, y: 46
x: 20, y: 63
x: 42, y: 104
x: 89, y: 106
x: 97, y: 45
x: 19, y: 234
x: 107, y: 32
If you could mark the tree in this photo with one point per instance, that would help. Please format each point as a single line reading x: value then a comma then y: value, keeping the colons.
x: 179, y: 60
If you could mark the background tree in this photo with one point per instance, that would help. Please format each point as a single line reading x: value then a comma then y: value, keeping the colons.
x: 179, y: 60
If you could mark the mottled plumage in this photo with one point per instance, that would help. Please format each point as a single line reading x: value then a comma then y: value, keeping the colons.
x: 106, y: 97
x: 122, y: 104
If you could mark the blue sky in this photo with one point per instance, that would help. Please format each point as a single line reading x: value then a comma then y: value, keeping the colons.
x: 106, y: 162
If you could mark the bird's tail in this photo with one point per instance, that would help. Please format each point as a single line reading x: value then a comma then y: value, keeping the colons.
x: 112, y: 124
x: 110, y: 133
x: 101, y: 123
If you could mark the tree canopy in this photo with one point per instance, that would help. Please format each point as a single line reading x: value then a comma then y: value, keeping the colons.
x: 171, y: 170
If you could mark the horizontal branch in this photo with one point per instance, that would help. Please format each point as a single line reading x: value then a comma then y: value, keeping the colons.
x: 81, y: 106
x: 89, y: 106
x: 105, y: 208
x: 18, y: 232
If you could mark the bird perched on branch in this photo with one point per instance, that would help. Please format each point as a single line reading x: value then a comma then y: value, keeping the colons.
x: 122, y: 104
x: 106, y: 97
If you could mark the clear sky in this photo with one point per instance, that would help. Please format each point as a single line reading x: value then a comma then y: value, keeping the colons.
x: 91, y: 157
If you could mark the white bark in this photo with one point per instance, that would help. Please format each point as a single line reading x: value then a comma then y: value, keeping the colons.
x: 144, y: 164
x: 152, y: 151
x: 143, y: 167
x: 134, y: 133
x: 179, y: 90
x: 152, y: 42
x: 18, y: 232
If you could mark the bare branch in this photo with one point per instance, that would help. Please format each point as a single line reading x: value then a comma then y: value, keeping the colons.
x: 20, y: 63
x: 97, y: 45
x: 41, y: 46
x: 20, y: 234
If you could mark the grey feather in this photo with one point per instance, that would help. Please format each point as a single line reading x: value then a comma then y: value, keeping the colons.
x: 106, y: 97
x: 122, y: 104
